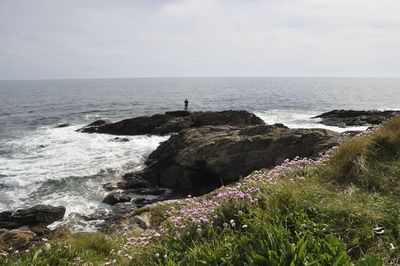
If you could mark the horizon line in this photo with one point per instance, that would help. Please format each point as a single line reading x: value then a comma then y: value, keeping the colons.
x: 202, y: 77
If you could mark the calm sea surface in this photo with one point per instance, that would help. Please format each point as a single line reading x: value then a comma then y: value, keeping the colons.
x: 43, y: 164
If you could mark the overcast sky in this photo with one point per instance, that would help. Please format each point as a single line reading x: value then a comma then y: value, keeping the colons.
x: 156, y: 38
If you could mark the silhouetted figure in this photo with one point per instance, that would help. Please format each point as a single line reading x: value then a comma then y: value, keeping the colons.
x: 186, y: 104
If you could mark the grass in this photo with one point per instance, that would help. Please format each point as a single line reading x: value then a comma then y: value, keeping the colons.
x: 345, y: 211
x: 371, y: 161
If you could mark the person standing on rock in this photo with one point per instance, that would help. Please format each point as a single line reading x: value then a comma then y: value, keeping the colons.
x: 186, y: 104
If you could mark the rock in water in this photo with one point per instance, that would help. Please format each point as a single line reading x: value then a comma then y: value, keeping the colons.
x: 169, y: 122
x: 62, y: 125
x: 36, y: 215
x: 117, y: 197
x: 203, y: 158
x: 346, y: 118
x: 118, y: 139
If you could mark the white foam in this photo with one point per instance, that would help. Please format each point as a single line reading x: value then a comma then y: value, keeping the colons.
x: 299, y: 119
x: 72, y: 164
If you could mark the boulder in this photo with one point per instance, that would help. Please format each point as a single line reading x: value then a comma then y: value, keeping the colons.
x: 123, y: 207
x: 15, y: 239
x: 346, y: 118
x: 132, y: 180
x: 162, y: 124
x: 136, y: 196
x: 143, y: 220
x: 116, y: 197
x: 200, y: 159
x: 42, y: 215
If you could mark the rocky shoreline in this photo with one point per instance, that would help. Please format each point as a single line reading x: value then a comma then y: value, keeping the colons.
x: 355, y: 118
x: 206, y: 150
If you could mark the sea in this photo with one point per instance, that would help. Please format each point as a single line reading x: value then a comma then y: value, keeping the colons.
x: 43, y: 163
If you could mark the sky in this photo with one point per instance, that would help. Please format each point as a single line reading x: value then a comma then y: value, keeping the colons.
x: 51, y: 39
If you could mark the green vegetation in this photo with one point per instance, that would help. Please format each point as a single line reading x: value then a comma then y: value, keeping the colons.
x: 345, y: 211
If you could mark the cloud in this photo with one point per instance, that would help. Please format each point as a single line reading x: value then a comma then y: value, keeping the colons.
x: 89, y: 39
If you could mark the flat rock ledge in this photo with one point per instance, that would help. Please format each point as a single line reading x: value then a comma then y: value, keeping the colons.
x: 170, y: 122
x: 350, y: 118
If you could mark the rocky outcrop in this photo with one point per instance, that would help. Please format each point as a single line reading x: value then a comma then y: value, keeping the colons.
x: 170, y: 122
x: 39, y: 215
x: 346, y: 118
x: 15, y: 239
x: 200, y: 159
x: 22, y: 227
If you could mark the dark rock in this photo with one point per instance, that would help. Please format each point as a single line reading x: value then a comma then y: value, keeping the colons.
x: 150, y: 191
x: 116, y: 197
x: 133, y: 180
x: 62, y: 125
x: 42, y: 215
x: 161, y: 124
x: 117, y: 139
x: 92, y: 127
x: 124, y: 207
x: 40, y: 230
x: 346, y: 118
x: 178, y: 113
x: 139, y: 196
x: 207, y: 157
x: 141, y: 202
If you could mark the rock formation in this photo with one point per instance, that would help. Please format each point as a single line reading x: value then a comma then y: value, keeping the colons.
x: 200, y: 159
x: 19, y: 228
x: 170, y: 122
x: 346, y: 118
x: 39, y: 215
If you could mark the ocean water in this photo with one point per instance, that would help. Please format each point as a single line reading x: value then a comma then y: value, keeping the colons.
x: 40, y: 163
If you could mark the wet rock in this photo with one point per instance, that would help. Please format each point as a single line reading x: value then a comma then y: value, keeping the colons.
x: 169, y: 122
x: 116, y: 197
x: 132, y: 180
x: 148, y: 195
x: 62, y: 125
x: 100, y: 122
x: 346, y: 118
x: 118, y: 139
x: 42, y: 215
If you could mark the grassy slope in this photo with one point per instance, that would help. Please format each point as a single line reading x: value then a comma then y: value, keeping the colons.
x: 342, y: 211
